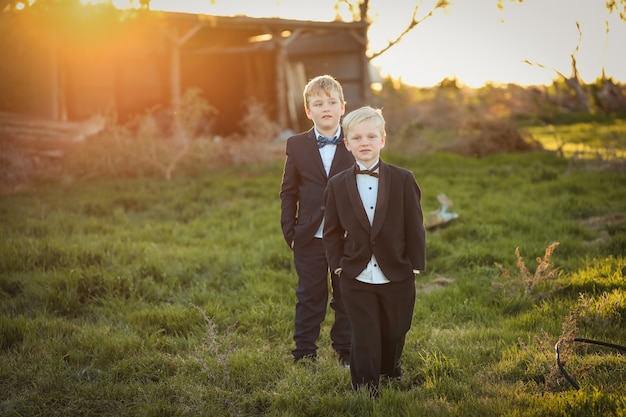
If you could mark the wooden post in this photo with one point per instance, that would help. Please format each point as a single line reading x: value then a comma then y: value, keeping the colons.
x: 58, y: 81
x: 177, y: 42
x: 54, y: 82
x: 281, y: 82
x: 175, y: 86
x: 365, y: 67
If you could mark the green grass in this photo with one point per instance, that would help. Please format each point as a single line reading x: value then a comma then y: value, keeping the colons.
x: 176, y: 298
x: 584, y: 138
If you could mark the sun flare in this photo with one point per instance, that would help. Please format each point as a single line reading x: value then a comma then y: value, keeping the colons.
x: 473, y: 42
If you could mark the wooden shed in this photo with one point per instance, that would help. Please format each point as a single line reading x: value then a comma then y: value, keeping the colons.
x: 150, y: 61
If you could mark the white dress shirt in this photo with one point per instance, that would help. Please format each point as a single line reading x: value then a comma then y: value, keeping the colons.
x: 327, y: 153
x: 368, y: 190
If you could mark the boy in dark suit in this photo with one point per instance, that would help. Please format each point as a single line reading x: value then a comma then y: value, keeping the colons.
x: 312, y: 158
x: 375, y: 241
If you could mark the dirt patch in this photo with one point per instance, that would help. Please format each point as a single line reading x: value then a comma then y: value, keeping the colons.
x: 437, y: 283
x: 598, y: 224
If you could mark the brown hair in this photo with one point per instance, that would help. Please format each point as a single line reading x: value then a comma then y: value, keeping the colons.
x: 322, y: 84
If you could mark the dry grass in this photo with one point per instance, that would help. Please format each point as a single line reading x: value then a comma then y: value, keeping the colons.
x: 525, y: 284
x: 438, y: 282
x: 555, y: 380
x: 462, y: 122
x: 481, y: 137
x: 216, y: 348
x: 155, y: 144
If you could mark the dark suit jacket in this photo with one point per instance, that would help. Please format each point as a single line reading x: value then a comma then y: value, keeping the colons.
x: 303, y: 184
x: 397, y: 236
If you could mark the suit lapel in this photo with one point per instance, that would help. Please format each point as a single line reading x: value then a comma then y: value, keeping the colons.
x: 355, y: 201
x: 382, y: 199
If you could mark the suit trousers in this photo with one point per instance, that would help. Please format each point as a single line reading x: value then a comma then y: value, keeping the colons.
x: 380, y: 315
x: 312, y: 300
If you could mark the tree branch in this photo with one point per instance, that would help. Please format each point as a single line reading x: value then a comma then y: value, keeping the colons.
x: 414, y: 22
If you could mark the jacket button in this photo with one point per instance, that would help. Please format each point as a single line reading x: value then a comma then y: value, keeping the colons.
x: 323, y: 208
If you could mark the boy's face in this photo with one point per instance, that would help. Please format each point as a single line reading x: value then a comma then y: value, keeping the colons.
x: 325, y: 111
x: 365, y: 141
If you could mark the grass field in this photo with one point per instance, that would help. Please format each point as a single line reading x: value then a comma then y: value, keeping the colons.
x: 603, y: 140
x: 146, y: 297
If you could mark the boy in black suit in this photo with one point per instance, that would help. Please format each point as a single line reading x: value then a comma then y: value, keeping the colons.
x: 312, y: 158
x: 375, y: 241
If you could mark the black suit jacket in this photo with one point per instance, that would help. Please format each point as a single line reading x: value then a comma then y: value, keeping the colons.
x: 397, y: 236
x: 303, y: 184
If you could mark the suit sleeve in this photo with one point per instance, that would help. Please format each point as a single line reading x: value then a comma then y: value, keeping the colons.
x: 414, y: 221
x: 333, y: 232
x: 289, y: 196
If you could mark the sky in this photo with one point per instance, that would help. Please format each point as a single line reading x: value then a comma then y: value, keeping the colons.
x: 472, y: 41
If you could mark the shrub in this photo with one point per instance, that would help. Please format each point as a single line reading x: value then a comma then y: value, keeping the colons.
x: 526, y: 284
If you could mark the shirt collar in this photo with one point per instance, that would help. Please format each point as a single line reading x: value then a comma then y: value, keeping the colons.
x: 336, y: 135
x: 361, y: 166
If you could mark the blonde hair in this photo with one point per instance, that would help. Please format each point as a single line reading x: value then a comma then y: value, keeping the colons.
x: 322, y: 84
x: 363, y: 114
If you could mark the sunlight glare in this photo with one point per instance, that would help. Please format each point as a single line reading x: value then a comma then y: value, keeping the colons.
x: 319, y: 10
x: 477, y: 43
x: 126, y: 4
x: 376, y: 87
x: 260, y: 38
x: 472, y: 41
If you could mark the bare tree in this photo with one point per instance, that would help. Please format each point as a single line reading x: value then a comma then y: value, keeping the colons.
x: 581, y: 102
x: 415, y: 20
x: 608, y: 96
x: 618, y: 6
x: 360, y: 11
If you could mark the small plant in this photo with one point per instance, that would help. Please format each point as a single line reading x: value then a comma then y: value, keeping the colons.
x: 217, y: 347
x: 257, y: 141
x: 525, y: 284
x: 564, y: 348
x: 554, y: 378
x: 257, y: 124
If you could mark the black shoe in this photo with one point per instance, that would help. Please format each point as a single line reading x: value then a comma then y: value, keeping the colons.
x: 344, y: 358
x: 395, y: 376
x: 310, y: 357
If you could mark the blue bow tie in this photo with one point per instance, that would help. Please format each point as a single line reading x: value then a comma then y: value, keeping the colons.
x: 323, y: 141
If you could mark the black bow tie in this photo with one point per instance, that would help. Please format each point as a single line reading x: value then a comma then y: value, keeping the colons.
x: 369, y: 171
x: 323, y: 141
